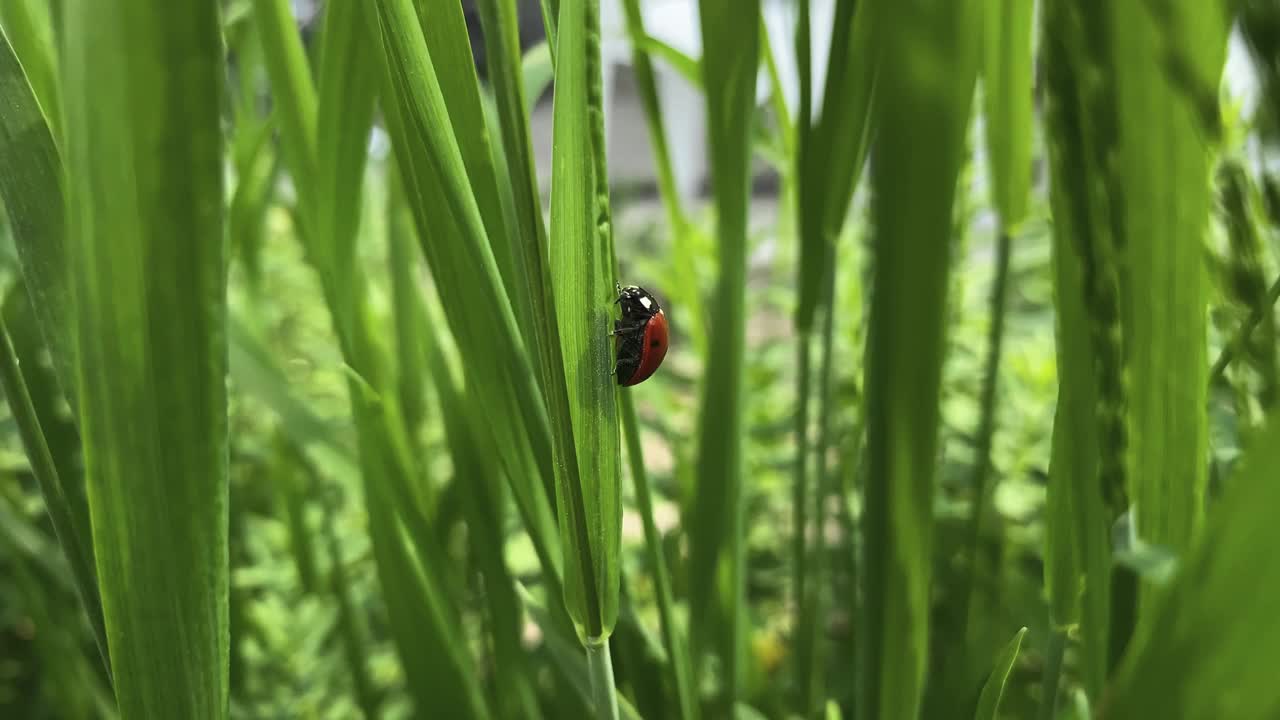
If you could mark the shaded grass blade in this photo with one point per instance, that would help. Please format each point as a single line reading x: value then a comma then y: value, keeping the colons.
x: 993, y: 690
x: 1086, y: 449
x: 31, y: 186
x: 147, y: 264
x: 1192, y: 664
x: 730, y: 41
x: 923, y: 103
x: 31, y: 190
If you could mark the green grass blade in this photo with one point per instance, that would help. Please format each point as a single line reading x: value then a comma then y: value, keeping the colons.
x: 581, y: 263
x: 1164, y: 163
x: 445, y: 31
x: 291, y: 87
x: 71, y: 528
x: 1007, y: 103
x: 730, y: 41
x: 483, y: 503
x: 1088, y: 445
x: 842, y: 134
x: 673, y: 640
x: 528, y: 236
x: 536, y: 74
x: 27, y: 24
x: 689, y: 68
x: 454, y: 241
x: 683, y: 288
x: 993, y: 690
x: 924, y: 98
x: 147, y: 266
x: 31, y: 190
x: 1212, y: 649
x: 31, y: 187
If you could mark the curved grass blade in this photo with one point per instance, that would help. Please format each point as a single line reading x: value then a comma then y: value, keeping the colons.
x: 993, y: 690
x: 923, y: 103
x: 730, y: 41
x: 147, y: 263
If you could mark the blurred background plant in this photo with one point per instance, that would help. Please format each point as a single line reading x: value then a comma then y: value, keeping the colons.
x: 965, y: 415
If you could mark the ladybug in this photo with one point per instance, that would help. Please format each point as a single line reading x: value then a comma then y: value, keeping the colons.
x: 640, y: 337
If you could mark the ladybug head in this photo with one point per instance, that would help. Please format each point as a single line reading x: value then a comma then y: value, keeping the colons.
x: 636, y: 302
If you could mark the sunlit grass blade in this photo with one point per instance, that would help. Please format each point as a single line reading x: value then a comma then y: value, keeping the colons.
x: 1164, y: 169
x: 445, y: 31
x: 147, y: 264
x: 31, y: 191
x: 730, y: 44
x: 993, y: 690
x: 589, y: 502
x: 923, y: 101
x: 1212, y: 646
x: 454, y: 241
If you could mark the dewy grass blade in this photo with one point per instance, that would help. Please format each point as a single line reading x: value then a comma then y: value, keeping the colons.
x: 31, y: 190
x: 923, y: 106
x: 730, y: 41
x: 1164, y: 160
x: 147, y: 264
x: 1212, y: 647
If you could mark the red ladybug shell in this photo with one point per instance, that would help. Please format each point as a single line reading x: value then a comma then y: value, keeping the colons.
x: 653, y: 352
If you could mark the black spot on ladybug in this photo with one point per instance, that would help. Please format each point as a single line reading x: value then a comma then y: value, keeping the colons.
x: 655, y: 343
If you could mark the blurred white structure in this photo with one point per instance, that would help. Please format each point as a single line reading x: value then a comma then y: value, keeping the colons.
x: 675, y: 22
